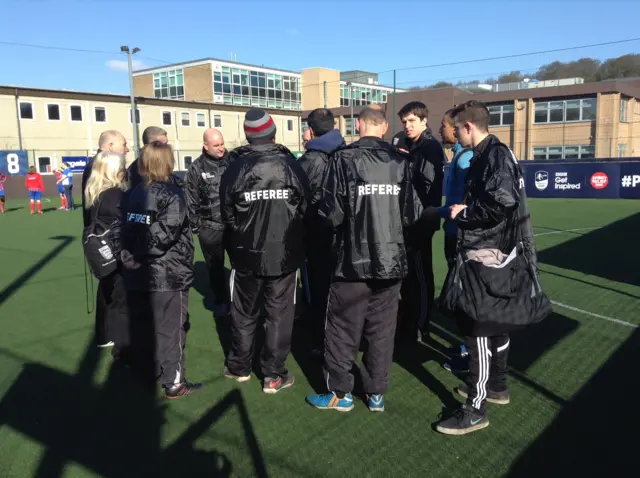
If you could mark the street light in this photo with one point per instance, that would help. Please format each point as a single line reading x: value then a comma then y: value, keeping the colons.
x: 130, y: 53
x: 353, y: 126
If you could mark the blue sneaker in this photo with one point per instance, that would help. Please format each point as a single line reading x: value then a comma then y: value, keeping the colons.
x: 329, y: 401
x: 375, y: 403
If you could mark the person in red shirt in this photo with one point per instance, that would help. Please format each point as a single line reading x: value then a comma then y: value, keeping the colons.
x: 36, y: 187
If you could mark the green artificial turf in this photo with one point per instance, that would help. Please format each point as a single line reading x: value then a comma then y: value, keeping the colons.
x: 66, y: 411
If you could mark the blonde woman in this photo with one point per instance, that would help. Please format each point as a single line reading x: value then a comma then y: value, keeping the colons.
x: 103, y: 193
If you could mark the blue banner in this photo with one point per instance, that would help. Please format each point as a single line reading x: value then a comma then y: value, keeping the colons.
x: 584, y: 180
x: 77, y: 163
x: 14, y: 163
x: 630, y: 180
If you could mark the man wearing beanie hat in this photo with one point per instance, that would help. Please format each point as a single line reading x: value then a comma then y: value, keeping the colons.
x: 263, y: 200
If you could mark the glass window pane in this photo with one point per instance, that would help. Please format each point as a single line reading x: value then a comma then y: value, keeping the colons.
x: 571, y: 152
x: 556, y: 114
x: 262, y: 82
x: 53, y: 112
x: 542, y: 106
x: 254, y: 81
x: 507, y: 119
x: 508, y: 108
x: 254, y: 91
x: 173, y: 91
x: 237, y: 89
x: 226, y: 88
x: 494, y: 119
x: 26, y: 111
x: 573, y: 114
x: 76, y: 113
x: 166, y: 118
x: 217, y: 76
x: 181, y: 91
x: 539, y: 156
x: 589, y: 110
x: 101, y: 115
x: 217, y: 87
x: 541, y: 116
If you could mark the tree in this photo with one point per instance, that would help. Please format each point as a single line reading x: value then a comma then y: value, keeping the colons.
x: 583, y: 68
x: 622, y: 67
x: 441, y: 84
x: 512, y: 77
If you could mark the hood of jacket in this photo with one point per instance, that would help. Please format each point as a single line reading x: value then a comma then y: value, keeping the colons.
x: 327, y: 143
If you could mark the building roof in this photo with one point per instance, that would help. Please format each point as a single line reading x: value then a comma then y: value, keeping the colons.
x: 206, y: 60
x: 10, y: 90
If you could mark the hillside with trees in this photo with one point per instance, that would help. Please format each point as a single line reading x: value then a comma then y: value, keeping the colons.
x: 590, y: 69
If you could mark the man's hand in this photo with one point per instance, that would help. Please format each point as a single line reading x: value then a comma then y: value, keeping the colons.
x: 456, y: 209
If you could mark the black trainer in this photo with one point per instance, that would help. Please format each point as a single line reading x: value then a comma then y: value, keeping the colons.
x: 274, y: 385
x: 499, y: 398
x: 464, y: 420
x: 181, y: 389
x: 457, y: 365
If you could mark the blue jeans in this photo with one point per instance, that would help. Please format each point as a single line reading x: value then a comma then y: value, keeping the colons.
x: 69, y: 195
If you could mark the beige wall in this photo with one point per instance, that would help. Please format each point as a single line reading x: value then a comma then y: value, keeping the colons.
x: 54, y: 139
x: 313, y: 88
x: 198, y: 83
x: 143, y: 85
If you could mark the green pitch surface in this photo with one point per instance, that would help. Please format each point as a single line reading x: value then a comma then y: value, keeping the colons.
x: 65, y: 410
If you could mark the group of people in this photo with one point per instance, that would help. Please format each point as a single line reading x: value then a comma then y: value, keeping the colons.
x: 358, y: 220
x: 35, y: 188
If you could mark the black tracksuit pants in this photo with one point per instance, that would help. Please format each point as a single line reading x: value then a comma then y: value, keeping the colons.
x: 319, y: 271
x: 158, y: 334
x: 360, y: 309
x: 488, y: 367
x: 253, y: 297
x: 112, y: 323
x: 418, y: 289
x: 212, y: 245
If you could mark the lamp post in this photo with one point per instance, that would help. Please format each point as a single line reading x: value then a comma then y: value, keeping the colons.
x: 130, y: 53
x: 353, y: 126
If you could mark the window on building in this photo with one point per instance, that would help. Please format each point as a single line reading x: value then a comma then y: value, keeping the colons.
x: 137, y: 116
x: 247, y: 87
x: 75, y: 112
x: 289, y: 125
x: 217, y: 121
x: 166, y: 118
x: 350, y: 126
x: 565, y: 111
x: 26, y: 110
x: 185, y: 119
x: 201, y: 120
x: 53, y: 112
x: 44, y: 164
x: 187, y: 161
x: 501, y: 115
x: 624, y: 108
x: 100, y: 114
x: 564, y: 152
x: 361, y: 95
x: 169, y: 84
x: 622, y: 150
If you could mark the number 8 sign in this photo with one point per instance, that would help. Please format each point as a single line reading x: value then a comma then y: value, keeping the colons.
x: 13, y: 163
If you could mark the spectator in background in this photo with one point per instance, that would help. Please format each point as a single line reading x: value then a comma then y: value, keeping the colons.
x: 35, y: 186
x: 103, y: 194
x: 149, y: 135
x: 63, y: 197
x: 110, y: 140
x: 202, y: 192
x: 325, y: 141
x: 3, y: 178
x: 67, y: 184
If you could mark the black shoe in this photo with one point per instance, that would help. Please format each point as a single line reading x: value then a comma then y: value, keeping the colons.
x: 456, y: 365
x: 464, y: 420
x: 499, y: 398
x: 274, y: 385
x: 181, y: 389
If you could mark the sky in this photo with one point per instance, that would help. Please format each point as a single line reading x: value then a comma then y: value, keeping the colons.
x: 376, y: 36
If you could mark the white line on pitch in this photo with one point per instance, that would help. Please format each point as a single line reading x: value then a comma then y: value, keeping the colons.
x: 566, y: 230
x: 597, y: 316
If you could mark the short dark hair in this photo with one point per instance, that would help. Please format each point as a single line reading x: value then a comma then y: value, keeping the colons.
x: 150, y: 134
x: 414, y: 108
x: 372, y: 116
x: 448, y: 116
x: 321, y: 121
x: 473, y: 112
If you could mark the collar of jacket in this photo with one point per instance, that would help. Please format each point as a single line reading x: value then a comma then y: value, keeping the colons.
x: 205, y: 154
x: 485, y: 144
x: 371, y: 142
x: 426, y: 135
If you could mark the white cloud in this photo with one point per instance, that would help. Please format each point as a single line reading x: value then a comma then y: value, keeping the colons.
x: 292, y: 31
x: 123, y: 65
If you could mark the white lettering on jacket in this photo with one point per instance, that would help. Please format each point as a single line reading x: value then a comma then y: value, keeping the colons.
x: 138, y: 218
x: 266, y: 194
x: 379, y: 189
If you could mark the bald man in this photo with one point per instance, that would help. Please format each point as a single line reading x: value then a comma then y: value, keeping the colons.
x: 110, y: 140
x: 202, y: 186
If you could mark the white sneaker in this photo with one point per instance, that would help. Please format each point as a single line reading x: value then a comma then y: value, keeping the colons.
x: 108, y: 344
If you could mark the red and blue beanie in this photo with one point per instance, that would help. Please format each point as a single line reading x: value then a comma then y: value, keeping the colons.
x: 258, y: 124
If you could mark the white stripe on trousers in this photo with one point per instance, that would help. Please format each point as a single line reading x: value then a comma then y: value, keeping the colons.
x: 484, y: 364
x: 423, y: 289
x: 232, y: 279
x: 179, y: 371
x: 504, y: 347
x: 295, y: 289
